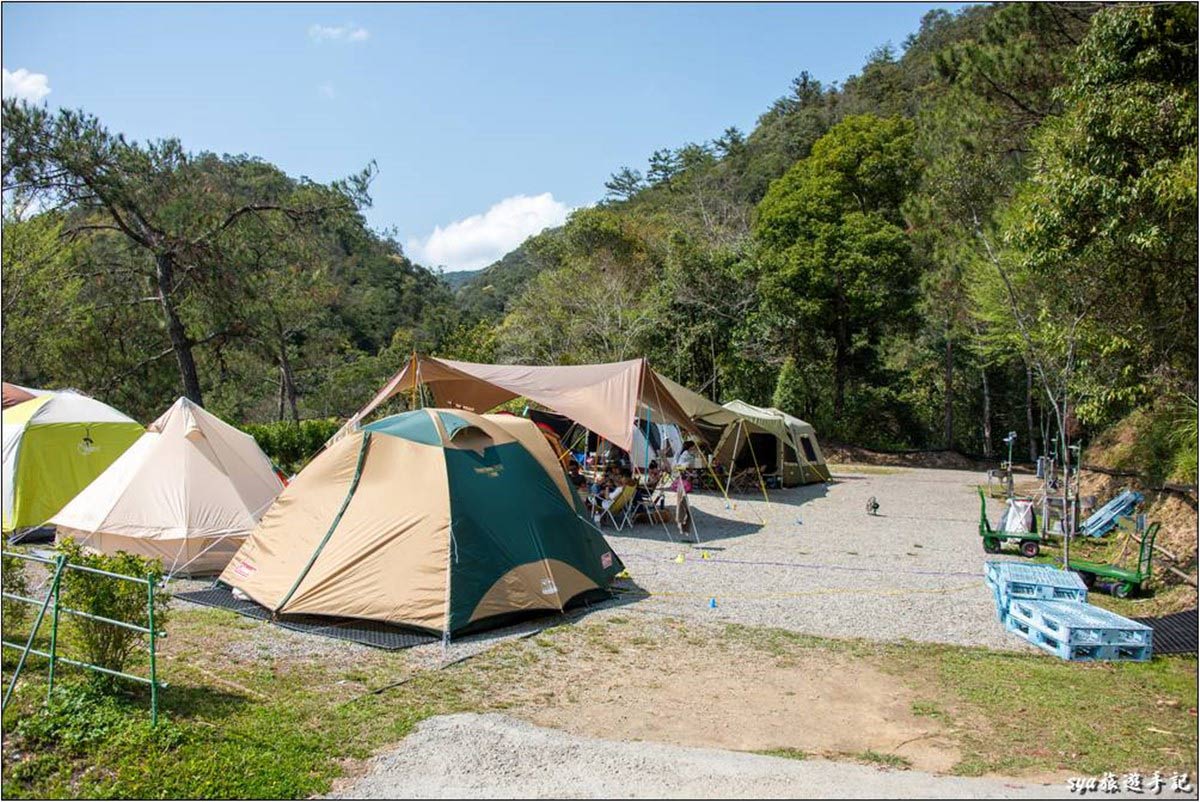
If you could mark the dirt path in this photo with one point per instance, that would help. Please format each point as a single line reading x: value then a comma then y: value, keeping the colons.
x: 493, y: 756
x: 694, y: 687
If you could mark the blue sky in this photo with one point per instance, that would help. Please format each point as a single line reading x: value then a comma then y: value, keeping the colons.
x: 488, y: 122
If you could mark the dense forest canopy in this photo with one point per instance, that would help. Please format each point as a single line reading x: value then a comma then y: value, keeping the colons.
x: 991, y: 229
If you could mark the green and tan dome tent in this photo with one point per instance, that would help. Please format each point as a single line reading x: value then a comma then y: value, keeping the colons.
x: 436, y: 519
x: 54, y: 446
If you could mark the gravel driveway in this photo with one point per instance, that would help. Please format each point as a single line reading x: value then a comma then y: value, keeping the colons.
x: 813, y: 560
x: 472, y: 756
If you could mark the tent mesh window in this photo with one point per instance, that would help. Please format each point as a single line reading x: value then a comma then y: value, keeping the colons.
x: 809, y: 454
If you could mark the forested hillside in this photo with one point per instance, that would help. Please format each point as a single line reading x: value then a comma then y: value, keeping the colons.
x: 991, y: 232
x: 992, y: 228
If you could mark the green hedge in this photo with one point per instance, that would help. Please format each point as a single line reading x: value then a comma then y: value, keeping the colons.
x: 291, y: 445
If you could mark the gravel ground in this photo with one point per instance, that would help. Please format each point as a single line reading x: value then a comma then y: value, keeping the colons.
x: 472, y: 756
x: 813, y: 561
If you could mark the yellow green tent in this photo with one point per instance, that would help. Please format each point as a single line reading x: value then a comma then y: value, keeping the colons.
x: 54, y: 446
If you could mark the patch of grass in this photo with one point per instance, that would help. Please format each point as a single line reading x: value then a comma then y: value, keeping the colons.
x: 884, y: 759
x: 874, y: 470
x: 236, y: 726
x: 923, y: 707
x: 1019, y: 713
x: 1013, y: 713
x: 787, y: 752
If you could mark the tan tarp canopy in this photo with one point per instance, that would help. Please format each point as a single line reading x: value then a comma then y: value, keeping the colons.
x: 606, y: 399
x: 697, y: 406
x: 14, y: 394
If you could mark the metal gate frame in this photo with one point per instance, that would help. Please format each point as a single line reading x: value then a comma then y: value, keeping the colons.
x: 51, y: 602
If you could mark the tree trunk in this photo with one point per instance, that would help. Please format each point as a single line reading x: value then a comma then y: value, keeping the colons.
x: 279, y: 412
x: 289, y: 383
x: 164, y: 277
x: 987, y: 415
x: 715, y: 392
x: 1033, y: 449
x: 948, y: 426
x: 840, y: 354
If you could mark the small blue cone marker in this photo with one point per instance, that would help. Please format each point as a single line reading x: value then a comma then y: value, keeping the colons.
x: 712, y: 603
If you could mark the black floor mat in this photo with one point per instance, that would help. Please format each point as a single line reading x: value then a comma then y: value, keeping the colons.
x: 1173, y: 634
x: 368, y: 633
x: 25, y: 537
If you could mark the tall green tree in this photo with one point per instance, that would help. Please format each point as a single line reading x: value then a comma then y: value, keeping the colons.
x: 837, y: 263
x: 174, y: 215
x: 1113, y: 200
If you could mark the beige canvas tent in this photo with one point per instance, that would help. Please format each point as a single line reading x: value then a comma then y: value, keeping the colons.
x: 438, y: 519
x: 188, y: 492
x: 772, y: 441
x: 607, y: 399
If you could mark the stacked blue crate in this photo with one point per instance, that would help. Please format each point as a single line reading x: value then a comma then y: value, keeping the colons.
x: 1013, y: 580
x: 1079, y: 631
x: 1048, y: 607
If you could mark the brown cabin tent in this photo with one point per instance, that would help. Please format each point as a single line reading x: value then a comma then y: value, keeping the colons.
x: 607, y: 399
x: 774, y: 442
x: 438, y: 519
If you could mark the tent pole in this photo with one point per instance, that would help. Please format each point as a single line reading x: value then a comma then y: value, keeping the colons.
x: 736, y: 443
x: 646, y: 436
x: 758, y: 471
x: 416, y: 378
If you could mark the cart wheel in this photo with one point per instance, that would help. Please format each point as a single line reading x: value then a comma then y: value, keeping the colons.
x: 991, y: 545
x: 1029, y: 548
x: 1089, y: 579
x: 1123, y: 590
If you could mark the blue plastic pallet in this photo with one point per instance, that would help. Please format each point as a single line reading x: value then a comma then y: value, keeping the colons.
x: 1079, y: 631
x: 1104, y: 520
x: 1013, y: 580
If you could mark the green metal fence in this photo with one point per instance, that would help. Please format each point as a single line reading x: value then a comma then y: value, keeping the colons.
x: 51, y: 603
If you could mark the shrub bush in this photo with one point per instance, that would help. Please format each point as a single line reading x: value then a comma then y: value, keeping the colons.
x: 291, y: 445
x: 103, y: 644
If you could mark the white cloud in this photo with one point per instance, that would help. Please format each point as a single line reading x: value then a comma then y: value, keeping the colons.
x: 338, y: 33
x: 25, y: 85
x: 479, y: 240
x: 326, y: 90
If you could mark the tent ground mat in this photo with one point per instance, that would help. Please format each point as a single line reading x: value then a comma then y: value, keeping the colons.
x: 1173, y: 634
x: 358, y: 630
x: 25, y: 537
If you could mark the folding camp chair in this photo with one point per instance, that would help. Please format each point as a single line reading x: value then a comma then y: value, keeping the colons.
x: 619, y: 512
x: 652, y: 503
x: 744, y: 481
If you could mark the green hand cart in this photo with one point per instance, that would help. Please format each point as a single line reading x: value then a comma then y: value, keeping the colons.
x: 1128, y: 581
x: 1029, y: 543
